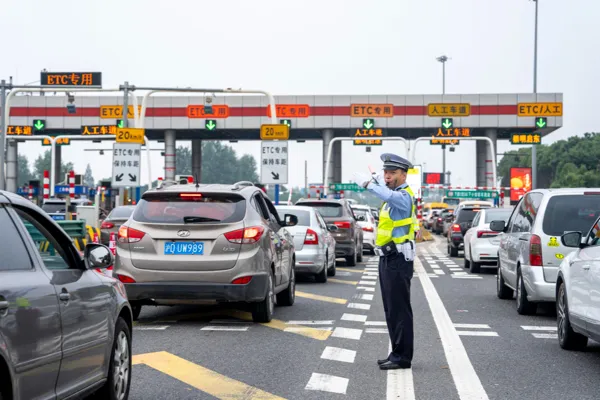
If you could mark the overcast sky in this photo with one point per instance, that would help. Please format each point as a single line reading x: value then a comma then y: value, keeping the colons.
x: 314, y: 47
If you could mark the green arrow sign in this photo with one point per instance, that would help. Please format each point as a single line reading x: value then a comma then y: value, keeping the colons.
x: 472, y: 194
x: 39, y: 124
x: 287, y: 122
x: 540, y: 122
x: 368, y: 123
x: 210, y: 124
x: 120, y: 123
x: 447, y: 123
x: 351, y: 187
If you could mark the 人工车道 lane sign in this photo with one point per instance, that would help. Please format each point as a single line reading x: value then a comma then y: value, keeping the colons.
x: 471, y: 194
x: 126, y: 164
x: 274, y: 162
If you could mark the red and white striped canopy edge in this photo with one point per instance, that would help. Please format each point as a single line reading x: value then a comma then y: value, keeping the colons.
x: 72, y: 184
x: 46, y: 184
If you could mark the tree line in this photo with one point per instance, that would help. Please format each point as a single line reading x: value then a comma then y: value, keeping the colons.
x: 574, y: 162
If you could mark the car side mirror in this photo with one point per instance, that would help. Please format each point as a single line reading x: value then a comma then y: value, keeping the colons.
x: 290, y: 220
x: 332, y: 228
x: 571, y: 239
x: 97, y: 256
x: 498, y: 225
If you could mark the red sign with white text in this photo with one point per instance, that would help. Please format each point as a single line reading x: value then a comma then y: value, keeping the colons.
x: 520, y: 182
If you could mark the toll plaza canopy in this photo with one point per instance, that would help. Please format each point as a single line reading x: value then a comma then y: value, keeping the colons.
x: 240, y: 117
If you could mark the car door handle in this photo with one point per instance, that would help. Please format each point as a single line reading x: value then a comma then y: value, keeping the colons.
x: 524, y: 239
x: 586, y: 266
x: 4, y: 305
x: 64, y: 296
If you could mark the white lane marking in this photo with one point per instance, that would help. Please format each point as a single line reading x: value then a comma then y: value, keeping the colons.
x: 366, y: 289
x: 338, y: 354
x: 359, y: 306
x: 310, y: 322
x: 439, y: 272
x: 151, y: 328
x: 472, y: 326
x: 371, y: 283
x: 538, y: 328
x: 376, y: 330
x: 327, y: 383
x: 375, y: 323
x: 460, y: 273
x: 545, y: 335
x: 354, y: 317
x: 455, y: 268
x: 347, y: 333
x: 369, y: 277
x: 305, y: 329
x: 367, y: 297
x: 343, y: 273
x: 476, y: 333
x: 432, y: 275
x: 400, y: 383
x: 371, y: 268
x: 466, y: 277
x: 367, y: 273
x: 225, y: 328
x: 468, y: 384
x: 230, y: 321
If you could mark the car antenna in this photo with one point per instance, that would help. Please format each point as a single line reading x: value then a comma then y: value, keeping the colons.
x: 196, y: 180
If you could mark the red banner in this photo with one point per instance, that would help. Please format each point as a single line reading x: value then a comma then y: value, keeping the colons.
x: 520, y: 182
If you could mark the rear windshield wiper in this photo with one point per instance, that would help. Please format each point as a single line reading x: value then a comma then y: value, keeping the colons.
x: 193, y: 220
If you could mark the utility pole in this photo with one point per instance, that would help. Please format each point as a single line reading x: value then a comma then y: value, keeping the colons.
x: 534, y: 147
x: 2, y: 133
x: 125, y: 125
x: 305, y: 177
x: 443, y: 60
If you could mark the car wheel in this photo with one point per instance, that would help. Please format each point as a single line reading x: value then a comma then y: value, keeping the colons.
x: 119, y: 371
x: 453, y: 251
x: 568, y: 339
x: 263, y: 311
x: 351, y: 260
x: 467, y: 263
x: 331, y: 270
x: 502, y: 291
x: 524, y: 306
x: 475, y: 266
x: 359, y: 258
x: 136, y: 309
x: 321, y: 277
x: 288, y: 296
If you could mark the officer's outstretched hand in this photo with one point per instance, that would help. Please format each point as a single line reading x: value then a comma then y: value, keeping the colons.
x: 361, y: 179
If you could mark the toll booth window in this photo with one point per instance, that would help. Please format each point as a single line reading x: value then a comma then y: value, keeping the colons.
x: 15, y: 256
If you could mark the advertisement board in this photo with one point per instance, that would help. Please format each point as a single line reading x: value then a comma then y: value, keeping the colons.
x: 433, y: 178
x: 520, y: 183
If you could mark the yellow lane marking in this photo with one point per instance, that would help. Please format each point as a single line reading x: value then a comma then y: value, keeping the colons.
x: 313, y: 333
x: 328, y: 299
x: 358, y: 271
x: 201, y: 378
x: 342, y: 281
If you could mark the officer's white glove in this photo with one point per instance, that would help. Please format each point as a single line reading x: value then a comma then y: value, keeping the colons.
x: 361, y: 179
x: 378, y: 178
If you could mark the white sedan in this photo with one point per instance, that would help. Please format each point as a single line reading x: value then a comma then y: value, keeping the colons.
x: 481, y: 243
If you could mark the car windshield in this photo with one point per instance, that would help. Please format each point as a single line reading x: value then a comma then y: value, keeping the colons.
x: 331, y: 210
x: 451, y: 202
x: 501, y: 214
x: 51, y: 208
x: 570, y: 213
x: 302, y: 215
x: 121, y: 213
x: 466, y: 215
x: 182, y: 208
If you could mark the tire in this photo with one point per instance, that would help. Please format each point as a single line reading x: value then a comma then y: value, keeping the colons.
x: 502, y: 291
x: 263, y: 311
x: 568, y: 339
x: 119, y: 370
x: 331, y: 270
x: 321, y: 277
x: 453, y: 251
x: 288, y: 296
x: 467, y: 263
x: 351, y: 260
x: 359, y: 257
x: 136, y: 309
x: 524, y: 306
x: 475, y: 267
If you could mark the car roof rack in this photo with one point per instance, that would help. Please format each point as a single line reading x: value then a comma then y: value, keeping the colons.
x: 165, y: 183
x: 242, y: 184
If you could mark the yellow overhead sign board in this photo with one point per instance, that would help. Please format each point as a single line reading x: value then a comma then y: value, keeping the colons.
x: 130, y: 135
x: 448, y: 109
x: 540, y: 109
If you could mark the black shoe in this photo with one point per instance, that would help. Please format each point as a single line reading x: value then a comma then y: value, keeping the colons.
x: 379, y: 362
x: 393, y: 365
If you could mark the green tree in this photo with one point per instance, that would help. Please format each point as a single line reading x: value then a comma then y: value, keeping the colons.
x: 24, y: 171
x: 88, y: 178
x: 43, y: 162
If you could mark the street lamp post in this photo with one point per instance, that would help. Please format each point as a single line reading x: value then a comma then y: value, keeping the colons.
x: 534, y: 147
x: 443, y: 60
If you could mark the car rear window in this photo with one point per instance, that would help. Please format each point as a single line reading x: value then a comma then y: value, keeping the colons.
x: 121, y: 212
x: 51, y: 208
x: 302, y: 215
x: 497, y: 215
x: 326, y: 209
x: 570, y: 213
x: 466, y: 215
x: 188, y: 208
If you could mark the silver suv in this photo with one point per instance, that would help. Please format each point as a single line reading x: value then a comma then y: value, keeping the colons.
x: 204, y: 244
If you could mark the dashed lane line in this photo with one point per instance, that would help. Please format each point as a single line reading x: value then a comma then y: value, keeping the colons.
x: 375, y: 323
x: 225, y: 328
x: 400, y: 384
x: 347, y: 333
x: 342, y: 281
x: 330, y: 322
x: 376, y: 330
x: 371, y: 283
x: 318, y: 297
x: 354, y: 317
x: 358, y: 271
x: 338, y: 354
x: 150, y: 327
x: 359, y: 306
x: 313, y: 333
x: 327, y: 383
x: 366, y: 289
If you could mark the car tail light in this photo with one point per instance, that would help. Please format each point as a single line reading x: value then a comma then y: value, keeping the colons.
x: 245, y: 236
x: 342, y: 224
x: 368, y: 229
x: 455, y: 228
x: 439, y: 220
x: 130, y: 235
x: 486, y: 234
x: 125, y: 279
x: 242, y: 281
x: 311, y: 237
x: 190, y: 195
x: 107, y: 225
x: 535, y: 251
x: 590, y: 193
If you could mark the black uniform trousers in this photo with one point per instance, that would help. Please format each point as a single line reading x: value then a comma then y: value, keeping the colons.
x: 395, y: 274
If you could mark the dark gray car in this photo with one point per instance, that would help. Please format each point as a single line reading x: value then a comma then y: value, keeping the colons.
x: 65, y: 327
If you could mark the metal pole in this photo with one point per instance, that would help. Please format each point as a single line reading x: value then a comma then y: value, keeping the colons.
x: 444, y: 146
x: 277, y: 194
x: 306, y: 177
x: 534, y: 147
x: 125, y: 125
x: 2, y: 131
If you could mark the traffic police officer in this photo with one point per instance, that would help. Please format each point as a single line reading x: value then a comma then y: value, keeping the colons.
x: 396, y: 247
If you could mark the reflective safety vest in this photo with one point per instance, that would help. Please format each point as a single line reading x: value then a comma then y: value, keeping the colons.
x: 387, y: 224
